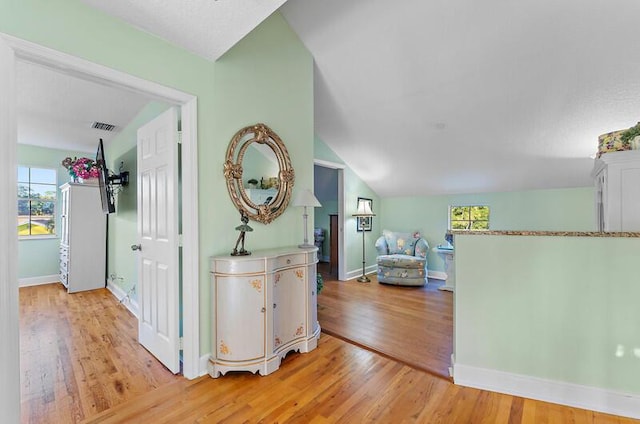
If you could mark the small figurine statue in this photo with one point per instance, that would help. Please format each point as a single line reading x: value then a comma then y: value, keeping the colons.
x: 243, y: 229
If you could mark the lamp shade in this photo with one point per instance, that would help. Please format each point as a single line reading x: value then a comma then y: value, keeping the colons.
x: 364, y: 209
x: 306, y: 198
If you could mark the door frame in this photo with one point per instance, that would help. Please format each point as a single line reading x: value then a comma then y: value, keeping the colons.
x: 84, y: 69
x: 340, y: 168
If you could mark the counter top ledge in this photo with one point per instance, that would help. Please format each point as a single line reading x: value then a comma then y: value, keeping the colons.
x: 546, y: 233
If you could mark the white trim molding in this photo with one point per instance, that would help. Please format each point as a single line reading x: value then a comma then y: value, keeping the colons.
x: 437, y: 275
x: 190, y: 247
x: 81, y: 68
x: 38, y: 281
x: 560, y: 392
x: 371, y: 269
x: 330, y: 165
x: 9, y: 321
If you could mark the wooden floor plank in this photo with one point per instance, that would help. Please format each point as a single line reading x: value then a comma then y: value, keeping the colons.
x: 338, y: 382
x: 413, y: 325
x: 80, y: 355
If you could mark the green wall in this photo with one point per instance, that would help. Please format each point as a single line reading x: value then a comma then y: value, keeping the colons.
x: 123, y: 224
x: 559, y: 308
x: 41, y: 257
x: 267, y: 77
x: 354, y: 187
x: 569, y: 209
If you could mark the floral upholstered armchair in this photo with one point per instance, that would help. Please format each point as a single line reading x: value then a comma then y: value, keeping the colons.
x: 402, y: 258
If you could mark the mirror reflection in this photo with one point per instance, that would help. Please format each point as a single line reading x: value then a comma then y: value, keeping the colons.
x: 260, y: 166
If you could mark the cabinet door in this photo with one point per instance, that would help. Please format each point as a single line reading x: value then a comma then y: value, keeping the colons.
x: 240, y: 317
x: 289, y: 306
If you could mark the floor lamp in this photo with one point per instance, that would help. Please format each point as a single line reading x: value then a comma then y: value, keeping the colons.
x: 307, y: 199
x: 364, y: 211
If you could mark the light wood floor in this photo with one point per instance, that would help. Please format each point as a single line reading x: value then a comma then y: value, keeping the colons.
x: 413, y: 325
x: 338, y: 382
x: 79, y: 355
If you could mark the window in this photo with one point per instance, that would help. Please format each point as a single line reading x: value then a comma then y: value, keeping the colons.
x: 468, y: 217
x: 36, y: 201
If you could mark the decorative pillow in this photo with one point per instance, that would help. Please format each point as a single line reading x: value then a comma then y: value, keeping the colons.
x: 399, y: 243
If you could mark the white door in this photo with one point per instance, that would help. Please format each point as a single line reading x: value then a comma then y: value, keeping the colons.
x: 158, y: 238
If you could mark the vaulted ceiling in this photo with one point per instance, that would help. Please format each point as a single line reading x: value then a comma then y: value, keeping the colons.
x: 431, y: 97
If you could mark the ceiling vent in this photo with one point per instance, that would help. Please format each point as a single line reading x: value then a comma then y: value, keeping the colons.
x: 102, y: 126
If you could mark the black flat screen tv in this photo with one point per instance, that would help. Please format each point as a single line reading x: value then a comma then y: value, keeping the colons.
x: 106, y: 189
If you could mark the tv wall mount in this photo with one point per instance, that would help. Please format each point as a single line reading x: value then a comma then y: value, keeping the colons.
x: 119, y: 179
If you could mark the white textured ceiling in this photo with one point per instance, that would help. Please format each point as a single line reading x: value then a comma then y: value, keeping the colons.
x: 57, y: 110
x: 429, y: 97
x: 207, y: 28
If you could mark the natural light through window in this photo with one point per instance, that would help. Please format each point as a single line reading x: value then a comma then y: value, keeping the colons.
x: 36, y: 201
x: 468, y: 217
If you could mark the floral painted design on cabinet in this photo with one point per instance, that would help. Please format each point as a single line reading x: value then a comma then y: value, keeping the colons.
x: 257, y: 284
x: 224, y: 349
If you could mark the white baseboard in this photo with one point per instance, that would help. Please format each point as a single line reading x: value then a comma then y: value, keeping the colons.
x: 437, y: 275
x: 357, y: 273
x: 37, y: 281
x: 119, y: 294
x: 204, y: 361
x: 569, y: 394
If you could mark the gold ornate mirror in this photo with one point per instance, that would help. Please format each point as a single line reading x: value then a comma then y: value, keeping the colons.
x: 259, y: 173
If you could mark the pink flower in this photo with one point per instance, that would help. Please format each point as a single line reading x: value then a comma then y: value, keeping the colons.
x: 81, y: 167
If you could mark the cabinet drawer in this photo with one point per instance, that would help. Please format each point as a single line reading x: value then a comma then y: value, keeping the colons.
x: 289, y: 260
x: 238, y: 267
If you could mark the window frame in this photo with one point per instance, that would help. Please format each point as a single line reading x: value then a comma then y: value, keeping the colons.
x: 54, y: 235
x: 470, y: 221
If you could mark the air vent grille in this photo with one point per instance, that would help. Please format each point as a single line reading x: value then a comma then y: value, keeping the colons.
x: 102, y: 126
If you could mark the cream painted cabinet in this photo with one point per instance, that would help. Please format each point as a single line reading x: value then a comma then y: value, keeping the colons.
x: 82, y: 238
x: 617, y: 188
x: 263, y: 307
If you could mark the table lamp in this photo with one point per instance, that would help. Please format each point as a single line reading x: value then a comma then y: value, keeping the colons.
x: 307, y: 199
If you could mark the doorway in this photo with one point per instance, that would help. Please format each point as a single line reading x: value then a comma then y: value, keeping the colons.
x: 328, y: 219
x: 13, y: 49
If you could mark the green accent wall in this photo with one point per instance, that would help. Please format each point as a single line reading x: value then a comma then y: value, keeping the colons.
x: 267, y: 77
x: 41, y: 257
x: 570, y: 209
x: 558, y: 308
x: 354, y: 187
